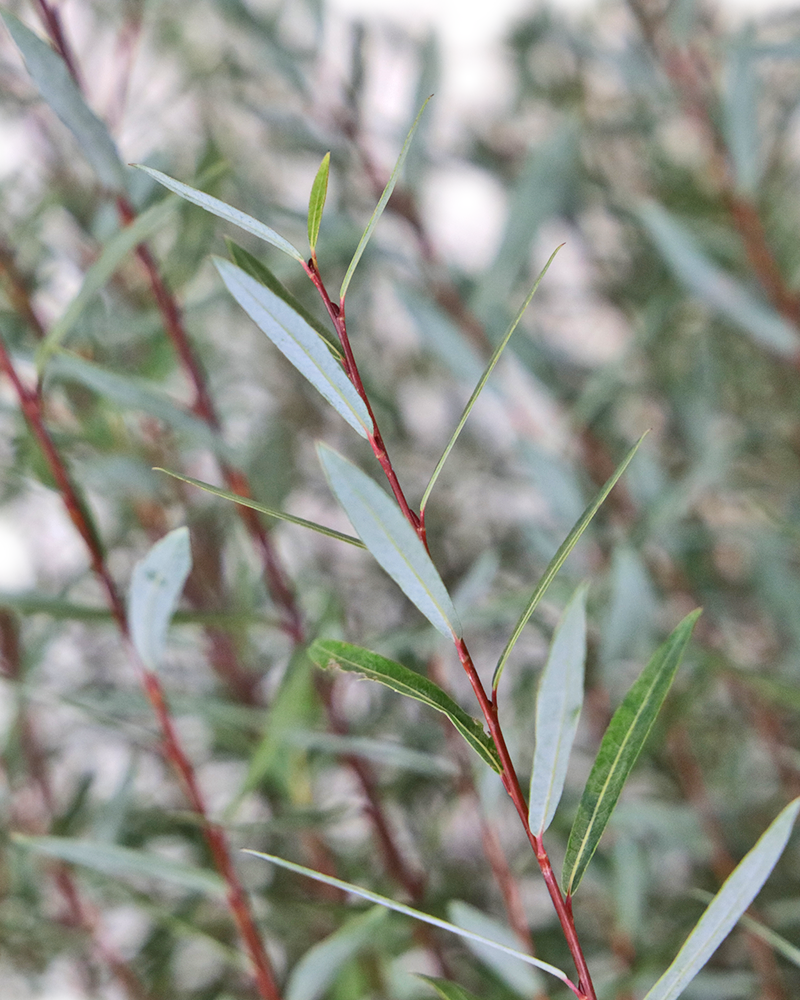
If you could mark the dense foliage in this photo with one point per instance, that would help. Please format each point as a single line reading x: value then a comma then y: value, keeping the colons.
x: 659, y: 144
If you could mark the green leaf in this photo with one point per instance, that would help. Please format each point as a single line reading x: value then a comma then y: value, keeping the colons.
x: 52, y: 77
x: 329, y: 653
x: 621, y: 745
x: 426, y: 918
x: 124, y: 862
x: 156, y: 586
x: 482, y: 382
x: 134, y: 393
x: 521, y: 978
x: 382, y: 203
x: 223, y: 211
x: 258, y: 269
x: 254, y: 505
x: 738, y: 892
x: 316, y: 202
x: 384, y: 753
x: 559, y: 558
x: 391, y: 540
x: 719, y: 290
x: 112, y: 255
x: 446, y: 989
x: 295, y: 339
x: 558, y: 707
x: 318, y: 968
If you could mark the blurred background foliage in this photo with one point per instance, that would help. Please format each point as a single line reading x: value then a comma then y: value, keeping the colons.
x: 661, y: 145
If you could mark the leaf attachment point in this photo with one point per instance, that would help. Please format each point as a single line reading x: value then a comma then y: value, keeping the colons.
x: 619, y: 749
x: 328, y: 653
x: 391, y: 540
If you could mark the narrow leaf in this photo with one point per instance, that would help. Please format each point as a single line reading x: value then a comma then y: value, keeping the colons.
x: 112, y: 255
x: 738, y: 892
x: 317, y: 970
x: 124, y: 862
x: 391, y: 540
x: 223, y: 211
x: 384, y: 753
x: 135, y: 393
x: 156, y: 585
x: 329, y: 653
x: 258, y: 269
x: 316, y: 202
x: 482, y: 382
x: 247, y: 502
x: 558, y: 706
x: 382, y: 203
x: 446, y: 989
x: 559, y: 559
x: 619, y: 749
x: 777, y: 942
x: 426, y: 918
x: 52, y: 77
x: 295, y: 339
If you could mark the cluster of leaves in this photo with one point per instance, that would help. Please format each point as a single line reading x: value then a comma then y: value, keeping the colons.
x: 693, y: 273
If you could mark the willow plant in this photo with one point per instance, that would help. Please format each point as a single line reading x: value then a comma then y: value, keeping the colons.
x: 395, y: 534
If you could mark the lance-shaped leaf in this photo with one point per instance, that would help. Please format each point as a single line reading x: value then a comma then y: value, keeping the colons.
x: 382, y: 203
x: 223, y: 211
x: 52, y: 77
x: 125, y: 862
x: 269, y: 511
x: 620, y: 746
x: 328, y: 653
x: 316, y: 202
x: 738, y: 892
x: 258, y: 269
x: 482, y: 382
x: 558, y: 706
x: 301, y: 345
x: 391, y: 540
x: 408, y: 911
x: 559, y: 558
x: 156, y: 585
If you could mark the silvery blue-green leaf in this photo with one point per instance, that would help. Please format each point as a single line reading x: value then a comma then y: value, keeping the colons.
x: 738, y: 892
x: 156, y: 586
x: 223, y: 211
x: 408, y: 911
x: 52, y: 77
x: 317, y: 970
x: 384, y: 753
x: 740, y: 117
x: 558, y: 707
x: 124, y: 862
x: 111, y: 256
x: 518, y: 976
x: 712, y: 285
x: 391, y: 540
x: 382, y: 203
x: 301, y: 345
x: 135, y: 393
